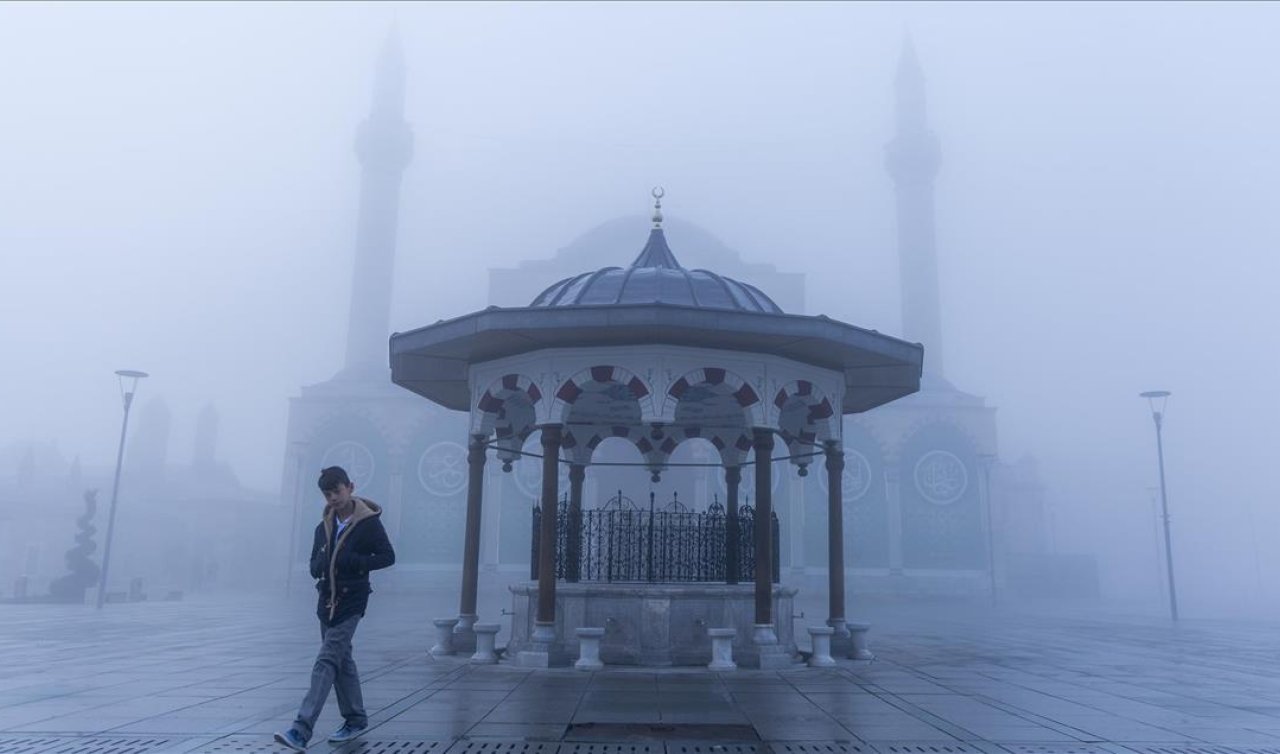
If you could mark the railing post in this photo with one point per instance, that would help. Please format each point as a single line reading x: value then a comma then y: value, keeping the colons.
x: 649, y: 555
x: 732, y: 564
x: 573, y: 545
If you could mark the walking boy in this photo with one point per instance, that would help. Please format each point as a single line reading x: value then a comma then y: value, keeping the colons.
x: 349, y: 543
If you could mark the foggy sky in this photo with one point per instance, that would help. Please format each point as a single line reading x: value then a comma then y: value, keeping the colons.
x: 178, y: 194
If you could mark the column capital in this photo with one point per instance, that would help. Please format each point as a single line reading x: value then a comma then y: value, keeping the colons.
x: 551, y: 435
x: 577, y: 472
x: 477, y: 449
x: 762, y: 438
x: 733, y: 474
x: 834, y: 455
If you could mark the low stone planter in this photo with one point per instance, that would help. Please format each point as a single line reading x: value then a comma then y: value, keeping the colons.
x: 486, y: 637
x: 444, y: 637
x: 858, y: 634
x: 821, y: 657
x: 589, y: 648
x: 722, y: 648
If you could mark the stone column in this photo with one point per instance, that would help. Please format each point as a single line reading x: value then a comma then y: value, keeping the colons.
x: 465, y: 638
x: 732, y: 558
x: 491, y: 521
x: 546, y: 615
x: 573, y: 545
x: 835, y: 540
x: 762, y: 442
x: 799, y: 523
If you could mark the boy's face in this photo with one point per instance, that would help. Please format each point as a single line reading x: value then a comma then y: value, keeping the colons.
x: 340, y: 496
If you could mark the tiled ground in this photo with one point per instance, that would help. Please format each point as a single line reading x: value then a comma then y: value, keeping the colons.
x: 219, y: 676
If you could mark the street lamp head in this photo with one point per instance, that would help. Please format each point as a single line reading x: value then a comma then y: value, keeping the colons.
x: 128, y: 382
x: 1156, y: 399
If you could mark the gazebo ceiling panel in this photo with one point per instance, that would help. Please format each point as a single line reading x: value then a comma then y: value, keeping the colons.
x: 611, y: 405
x: 701, y: 407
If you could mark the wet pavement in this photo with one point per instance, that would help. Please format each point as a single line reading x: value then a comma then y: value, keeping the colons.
x: 215, y: 675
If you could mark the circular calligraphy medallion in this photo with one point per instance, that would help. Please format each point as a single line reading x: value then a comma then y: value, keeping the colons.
x: 941, y: 477
x: 442, y: 469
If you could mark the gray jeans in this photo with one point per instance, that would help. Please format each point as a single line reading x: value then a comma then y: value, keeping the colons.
x: 334, y: 668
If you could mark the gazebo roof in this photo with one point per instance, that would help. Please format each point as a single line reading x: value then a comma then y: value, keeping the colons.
x: 654, y: 301
x: 656, y: 277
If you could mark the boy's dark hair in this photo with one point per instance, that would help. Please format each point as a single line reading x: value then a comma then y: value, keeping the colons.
x: 332, y: 477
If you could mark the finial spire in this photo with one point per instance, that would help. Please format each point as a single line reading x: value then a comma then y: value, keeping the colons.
x: 656, y: 253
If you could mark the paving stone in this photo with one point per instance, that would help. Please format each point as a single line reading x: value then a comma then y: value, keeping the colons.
x: 226, y: 674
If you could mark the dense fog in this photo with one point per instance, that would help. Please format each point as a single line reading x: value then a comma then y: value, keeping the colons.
x: 179, y: 195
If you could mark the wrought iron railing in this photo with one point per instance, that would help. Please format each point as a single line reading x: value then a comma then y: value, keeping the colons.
x: 671, y: 544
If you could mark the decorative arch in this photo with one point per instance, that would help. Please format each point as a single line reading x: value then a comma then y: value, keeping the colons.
x: 932, y: 425
x: 733, y: 447
x: 805, y: 418
x: 583, y: 441
x: 940, y: 496
x: 723, y: 382
x: 507, y: 410
x: 492, y: 413
x: 572, y: 389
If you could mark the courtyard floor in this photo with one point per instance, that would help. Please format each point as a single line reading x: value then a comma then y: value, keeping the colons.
x: 215, y: 675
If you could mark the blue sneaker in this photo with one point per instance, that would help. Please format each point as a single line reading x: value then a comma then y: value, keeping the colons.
x: 292, y: 739
x: 346, y: 733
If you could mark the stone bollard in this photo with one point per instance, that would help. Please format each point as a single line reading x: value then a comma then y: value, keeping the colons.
x: 858, y: 631
x: 821, y: 657
x: 722, y: 648
x: 589, y: 648
x: 444, y: 637
x: 486, y: 636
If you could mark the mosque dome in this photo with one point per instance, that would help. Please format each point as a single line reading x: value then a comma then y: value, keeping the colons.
x: 656, y: 277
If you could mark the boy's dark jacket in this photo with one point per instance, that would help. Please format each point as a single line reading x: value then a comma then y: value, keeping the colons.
x: 342, y: 568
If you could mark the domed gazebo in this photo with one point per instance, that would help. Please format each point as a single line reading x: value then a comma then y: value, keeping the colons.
x: 655, y: 354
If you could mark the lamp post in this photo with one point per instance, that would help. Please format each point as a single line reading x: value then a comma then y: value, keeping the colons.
x: 1156, y: 399
x: 987, y: 460
x: 128, y: 379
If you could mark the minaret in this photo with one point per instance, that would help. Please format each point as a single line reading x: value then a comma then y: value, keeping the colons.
x: 384, y: 145
x: 912, y: 160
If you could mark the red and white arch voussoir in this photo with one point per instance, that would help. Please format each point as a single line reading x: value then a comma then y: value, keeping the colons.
x: 724, y: 381
x: 490, y: 414
x: 822, y: 421
x: 572, y: 389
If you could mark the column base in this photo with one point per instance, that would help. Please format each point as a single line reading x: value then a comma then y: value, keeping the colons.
x: 464, y: 635
x: 841, y: 639
x: 543, y: 633
x: 772, y: 654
